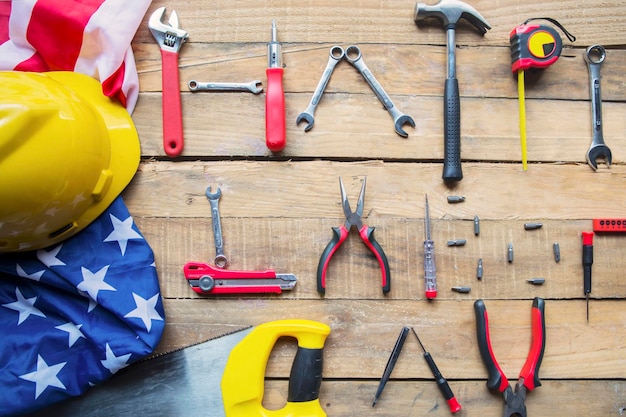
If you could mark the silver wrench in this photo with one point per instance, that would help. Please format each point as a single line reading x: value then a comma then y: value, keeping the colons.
x: 220, y: 260
x: 253, y: 86
x: 594, y: 57
x: 353, y: 56
x: 335, y: 56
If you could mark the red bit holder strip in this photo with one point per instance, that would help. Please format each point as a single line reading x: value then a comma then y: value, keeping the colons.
x: 609, y: 225
x: 206, y: 279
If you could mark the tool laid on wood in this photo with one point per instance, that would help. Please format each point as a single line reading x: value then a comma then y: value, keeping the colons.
x: 594, y: 57
x: 587, y: 263
x: 223, y: 377
x: 391, y: 363
x: 529, y: 375
x: 430, y: 269
x: 341, y: 233
x: 221, y: 260
x: 537, y: 47
x: 275, y: 128
x: 253, y: 87
x: 205, y: 279
x: 442, y: 383
x: 170, y: 39
x: 336, y: 54
x: 355, y: 58
x: 609, y: 225
x: 449, y: 12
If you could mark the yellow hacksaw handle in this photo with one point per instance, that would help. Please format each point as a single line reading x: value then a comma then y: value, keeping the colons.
x: 243, y: 381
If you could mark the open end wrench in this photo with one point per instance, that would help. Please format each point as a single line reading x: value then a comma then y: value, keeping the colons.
x: 220, y: 259
x: 336, y: 54
x: 253, y: 86
x: 353, y: 56
x: 594, y: 57
x: 170, y: 39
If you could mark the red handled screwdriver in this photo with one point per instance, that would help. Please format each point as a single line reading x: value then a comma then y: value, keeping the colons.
x: 442, y: 383
x: 275, y: 129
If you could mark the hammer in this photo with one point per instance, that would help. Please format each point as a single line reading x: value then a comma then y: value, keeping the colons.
x: 450, y: 12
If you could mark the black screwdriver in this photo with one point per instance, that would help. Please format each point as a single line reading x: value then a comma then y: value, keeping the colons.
x: 442, y: 383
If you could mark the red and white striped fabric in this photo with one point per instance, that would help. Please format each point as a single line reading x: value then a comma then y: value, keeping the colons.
x: 88, y: 36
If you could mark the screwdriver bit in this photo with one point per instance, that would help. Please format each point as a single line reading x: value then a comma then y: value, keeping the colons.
x: 536, y: 281
x: 457, y: 242
x: 532, y: 226
x: 455, y: 199
x: 462, y: 290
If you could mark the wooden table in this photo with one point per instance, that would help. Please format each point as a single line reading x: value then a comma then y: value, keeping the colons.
x: 277, y: 210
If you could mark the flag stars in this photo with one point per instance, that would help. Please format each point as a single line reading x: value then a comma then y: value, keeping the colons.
x: 145, y: 311
x: 35, y: 276
x: 73, y: 331
x: 24, y: 306
x: 114, y: 363
x: 122, y: 232
x: 93, y: 282
x: 45, y: 376
x: 49, y: 258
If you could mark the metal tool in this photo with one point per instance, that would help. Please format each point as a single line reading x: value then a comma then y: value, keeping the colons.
x: 336, y: 54
x: 452, y: 199
x: 462, y: 289
x: 556, y: 248
x: 536, y: 281
x: 457, y: 242
x: 354, y: 57
x: 223, y: 377
x: 442, y: 383
x: 479, y: 269
x: 253, y: 86
x: 170, y: 39
x: 430, y: 270
x: 220, y: 259
x: 391, y: 363
x: 275, y: 128
x: 449, y: 12
x: 509, y: 253
x: 594, y: 57
x: 532, y: 226
x: 529, y: 375
x: 205, y: 279
x: 341, y: 233
x: 587, y: 263
x: 476, y: 225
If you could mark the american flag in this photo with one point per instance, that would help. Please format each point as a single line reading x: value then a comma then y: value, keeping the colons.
x: 74, y: 314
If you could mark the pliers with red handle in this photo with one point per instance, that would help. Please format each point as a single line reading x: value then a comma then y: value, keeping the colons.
x: 340, y: 235
x: 529, y: 375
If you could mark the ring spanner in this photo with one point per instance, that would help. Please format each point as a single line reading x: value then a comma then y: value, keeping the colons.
x: 170, y: 39
x: 220, y: 260
x: 594, y: 57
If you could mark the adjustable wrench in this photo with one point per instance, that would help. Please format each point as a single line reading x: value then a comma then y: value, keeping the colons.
x: 336, y: 54
x: 353, y: 56
x: 594, y: 57
x: 170, y: 39
x: 253, y: 86
x: 220, y: 260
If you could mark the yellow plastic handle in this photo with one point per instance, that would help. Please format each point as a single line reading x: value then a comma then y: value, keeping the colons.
x: 243, y: 381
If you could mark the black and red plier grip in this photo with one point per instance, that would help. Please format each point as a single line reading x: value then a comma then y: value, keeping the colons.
x: 529, y: 375
x: 340, y: 234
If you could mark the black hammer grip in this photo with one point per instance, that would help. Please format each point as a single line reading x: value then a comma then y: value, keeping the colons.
x: 452, y: 132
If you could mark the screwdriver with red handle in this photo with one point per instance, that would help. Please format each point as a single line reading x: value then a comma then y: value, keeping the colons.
x: 275, y: 125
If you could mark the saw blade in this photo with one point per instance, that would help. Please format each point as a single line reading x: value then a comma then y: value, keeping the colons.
x: 185, y: 382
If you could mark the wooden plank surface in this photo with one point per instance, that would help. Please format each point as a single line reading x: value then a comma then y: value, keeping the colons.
x: 277, y: 210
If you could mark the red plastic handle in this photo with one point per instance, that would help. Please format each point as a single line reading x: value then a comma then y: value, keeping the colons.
x: 530, y: 371
x: 172, y: 108
x: 339, y: 236
x: 367, y: 236
x: 496, y: 379
x: 275, y: 128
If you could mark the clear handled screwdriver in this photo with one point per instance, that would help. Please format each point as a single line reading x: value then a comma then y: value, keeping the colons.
x: 430, y: 272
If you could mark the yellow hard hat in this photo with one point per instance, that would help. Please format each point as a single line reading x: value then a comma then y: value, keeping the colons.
x: 66, y: 152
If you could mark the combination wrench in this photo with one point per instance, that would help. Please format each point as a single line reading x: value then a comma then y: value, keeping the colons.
x: 220, y: 259
x: 253, y: 86
x: 594, y: 57
x: 354, y: 57
x: 336, y: 54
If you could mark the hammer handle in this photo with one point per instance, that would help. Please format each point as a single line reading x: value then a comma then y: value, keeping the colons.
x: 452, y: 132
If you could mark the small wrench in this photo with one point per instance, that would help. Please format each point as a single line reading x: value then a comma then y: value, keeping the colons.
x: 170, y: 39
x: 594, y: 57
x: 353, y: 56
x: 220, y: 260
x: 253, y: 86
x: 335, y: 56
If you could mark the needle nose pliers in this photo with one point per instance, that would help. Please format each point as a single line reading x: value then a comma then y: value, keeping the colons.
x: 529, y: 375
x: 340, y: 235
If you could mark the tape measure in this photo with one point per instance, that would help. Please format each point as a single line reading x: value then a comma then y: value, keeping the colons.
x: 534, y: 46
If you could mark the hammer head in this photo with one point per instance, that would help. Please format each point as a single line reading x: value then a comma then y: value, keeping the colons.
x: 450, y: 12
